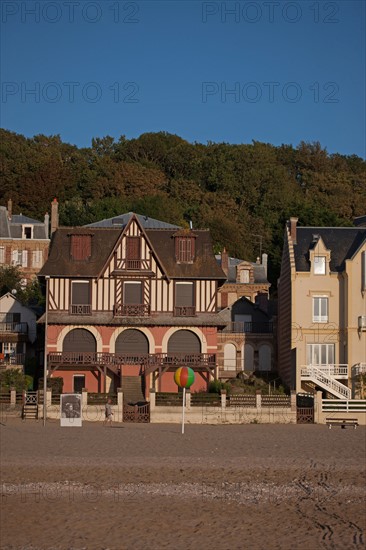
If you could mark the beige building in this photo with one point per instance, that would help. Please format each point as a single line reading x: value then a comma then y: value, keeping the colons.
x: 322, y: 308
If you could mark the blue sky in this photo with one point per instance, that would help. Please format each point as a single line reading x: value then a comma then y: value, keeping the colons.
x: 271, y: 71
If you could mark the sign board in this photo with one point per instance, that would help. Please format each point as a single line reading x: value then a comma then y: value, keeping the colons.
x: 70, y: 410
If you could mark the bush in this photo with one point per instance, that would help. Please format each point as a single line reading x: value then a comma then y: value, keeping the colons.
x: 54, y: 384
x: 216, y: 386
x: 14, y: 378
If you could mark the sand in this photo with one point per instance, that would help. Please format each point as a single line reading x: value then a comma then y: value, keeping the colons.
x: 134, y: 486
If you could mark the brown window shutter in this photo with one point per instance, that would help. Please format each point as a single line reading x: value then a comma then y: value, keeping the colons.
x: 80, y: 247
x: 132, y: 293
x: 133, y: 248
x: 184, y: 295
x: 80, y: 293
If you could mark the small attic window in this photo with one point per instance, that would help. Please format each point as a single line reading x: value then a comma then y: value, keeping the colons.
x: 184, y: 248
x: 80, y: 247
x: 27, y: 232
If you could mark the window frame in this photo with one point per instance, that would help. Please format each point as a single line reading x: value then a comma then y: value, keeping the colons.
x: 319, y: 318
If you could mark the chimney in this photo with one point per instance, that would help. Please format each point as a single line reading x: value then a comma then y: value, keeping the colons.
x: 47, y: 224
x: 265, y: 262
x: 261, y: 300
x: 293, y: 223
x: 225, y: 262
x: 54, y: 216
x: 10, y: 209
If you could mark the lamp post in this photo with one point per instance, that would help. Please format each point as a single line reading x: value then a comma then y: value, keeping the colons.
x: 45, y: 355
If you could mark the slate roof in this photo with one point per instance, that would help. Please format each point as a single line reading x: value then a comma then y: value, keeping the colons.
x: 343, y: 242
x: 259, y: 271
x: 104, y: 239
x: 12, y: 229
x: 123, y: 219
x: 61, y: 264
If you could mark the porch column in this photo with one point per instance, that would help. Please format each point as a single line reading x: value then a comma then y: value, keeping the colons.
x: 105, y: 379
x: 119, y: 405
x: 258, y: 399
x: 152, y: 399
x: 13, y: 396
x: 223, y: 399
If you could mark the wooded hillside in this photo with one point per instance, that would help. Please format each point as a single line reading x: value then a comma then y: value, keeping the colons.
x: 243, y: 193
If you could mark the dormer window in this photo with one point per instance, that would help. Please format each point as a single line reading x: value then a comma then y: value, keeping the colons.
x: 80, y: 247
x: 27, y: 232
x: 184, y: 248
x: 319, y: 265
x: 245, y: 276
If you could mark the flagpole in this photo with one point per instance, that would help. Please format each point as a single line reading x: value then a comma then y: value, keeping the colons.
x: 45, y: 355
x: 184, y: 406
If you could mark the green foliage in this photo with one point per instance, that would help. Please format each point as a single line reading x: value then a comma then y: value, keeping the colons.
x: 14, y: 378
x: 216, y: 386
x: 10, y: 281
x: 240, y: 192
x: 55, y: 384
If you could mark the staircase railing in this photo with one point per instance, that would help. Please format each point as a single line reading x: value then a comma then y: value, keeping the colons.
x: 327, y: 382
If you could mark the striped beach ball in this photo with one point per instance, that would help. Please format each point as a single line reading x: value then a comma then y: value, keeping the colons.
x: 184, y: 377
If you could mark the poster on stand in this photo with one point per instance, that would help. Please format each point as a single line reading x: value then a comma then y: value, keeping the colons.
x: 70, y: 410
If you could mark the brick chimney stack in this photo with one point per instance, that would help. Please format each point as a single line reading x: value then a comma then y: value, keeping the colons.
x: 225, y: 262
x: 54, y: 216
x: 265, y: 262
x: 47, y: 224
x: 293, y: 224
x: 10, y: 209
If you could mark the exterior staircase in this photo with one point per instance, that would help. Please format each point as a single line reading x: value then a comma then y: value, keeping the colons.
x: 325, y: 381
x: 132, y: 390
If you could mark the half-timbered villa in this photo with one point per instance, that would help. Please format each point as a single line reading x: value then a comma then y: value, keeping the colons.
x: 130, y: 299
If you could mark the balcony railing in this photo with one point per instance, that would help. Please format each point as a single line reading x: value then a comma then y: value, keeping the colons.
x: 118, y: 359
x: 184, y: 311
x: 122, y: 264
x: 250, y: 327
x: 131, y: 310
x: 80, y: 309
x: 336, y: 371
x: 10, y: 360
x: 19, y: 328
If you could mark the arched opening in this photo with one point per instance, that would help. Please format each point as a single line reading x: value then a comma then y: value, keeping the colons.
x: 79, y: 340
x: 132, y: 341
x: 248, y: 357
x: 264, y: 358
x: 184, y: 341
x: 230, y: 357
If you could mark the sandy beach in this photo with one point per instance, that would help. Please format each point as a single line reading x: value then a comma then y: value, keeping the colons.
x: 134, y: 486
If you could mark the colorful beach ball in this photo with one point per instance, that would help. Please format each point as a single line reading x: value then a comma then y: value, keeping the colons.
x: 184, y: 377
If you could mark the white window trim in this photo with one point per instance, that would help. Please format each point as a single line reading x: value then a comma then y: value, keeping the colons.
x: 321, y: 318
x: 323, y: 265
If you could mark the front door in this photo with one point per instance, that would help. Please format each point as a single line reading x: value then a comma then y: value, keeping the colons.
x: 79, y: 383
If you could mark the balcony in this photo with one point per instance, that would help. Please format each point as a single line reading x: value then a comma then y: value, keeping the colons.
x: 15, y: 328
x: 13, y: 361
x: 124, y: 264
x: 165, y: 360
x: 331, y: 370
x: 249, y: 327
x: 131, y: 310
x: 80, y: 309
x: 184, y: 311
